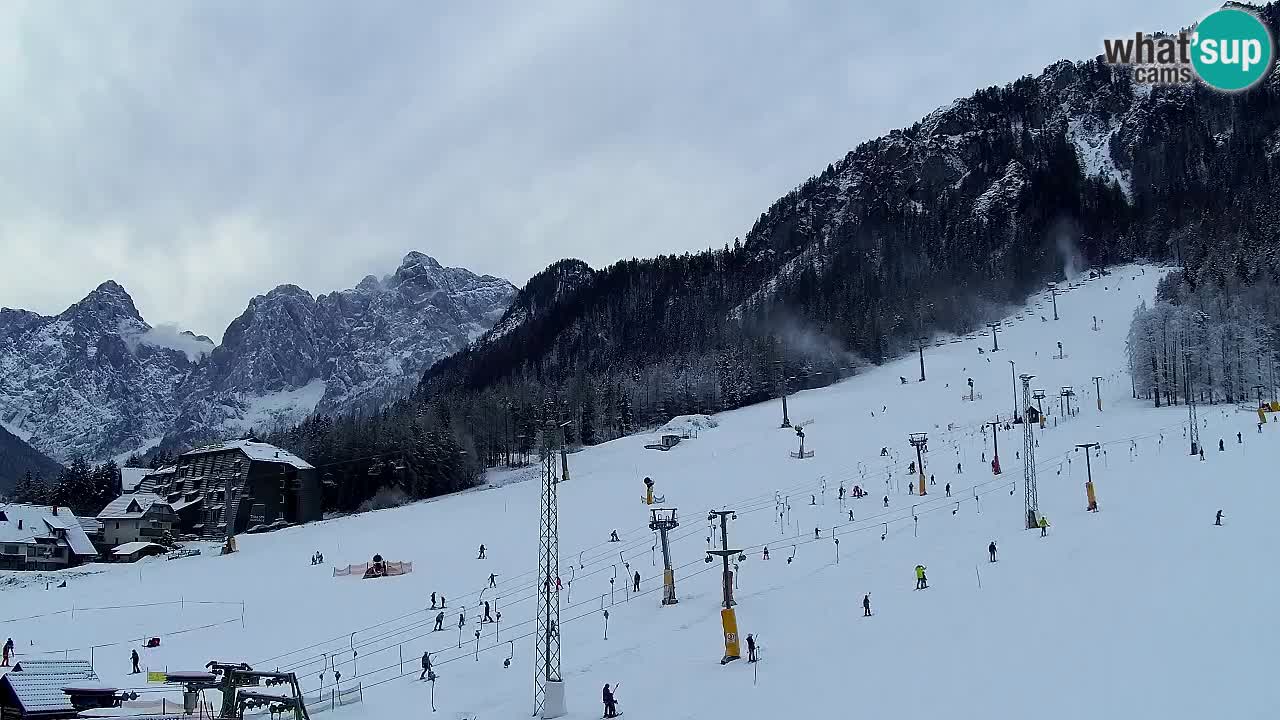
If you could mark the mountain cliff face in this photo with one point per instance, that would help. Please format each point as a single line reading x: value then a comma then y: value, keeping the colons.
x: 97, y: 380
x: 931, y: 228
x: 18, y: 458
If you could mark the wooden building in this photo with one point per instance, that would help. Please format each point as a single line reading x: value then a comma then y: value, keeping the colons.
x: 137, y: 517
x: 37, y: 537
x: 234, y: 487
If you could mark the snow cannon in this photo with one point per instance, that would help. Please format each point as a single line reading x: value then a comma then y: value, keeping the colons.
x: 1092, y: 497
x: 648, y: 491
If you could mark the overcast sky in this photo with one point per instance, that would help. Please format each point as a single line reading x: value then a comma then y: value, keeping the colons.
x: 201, y: 153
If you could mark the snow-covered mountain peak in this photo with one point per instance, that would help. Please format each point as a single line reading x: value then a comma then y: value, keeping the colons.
x: 287, y: 354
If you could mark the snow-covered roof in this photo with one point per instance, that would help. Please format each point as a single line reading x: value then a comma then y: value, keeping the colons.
x: 130, y: 507
x: 130, y: 548
x: 38, y: 687
x: 131, y: 477
x: 39, y: 521
x: 90, y: 525
x: 259, y: 451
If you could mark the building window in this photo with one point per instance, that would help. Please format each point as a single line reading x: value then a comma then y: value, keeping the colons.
x: 117, y: 524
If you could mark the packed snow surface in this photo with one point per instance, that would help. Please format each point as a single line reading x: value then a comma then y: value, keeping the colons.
x: 1144, y: 609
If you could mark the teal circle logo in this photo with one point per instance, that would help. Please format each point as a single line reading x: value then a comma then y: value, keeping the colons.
x: 1232, y: 50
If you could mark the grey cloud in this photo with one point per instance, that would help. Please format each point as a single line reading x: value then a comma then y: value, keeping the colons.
x: 201, y: 153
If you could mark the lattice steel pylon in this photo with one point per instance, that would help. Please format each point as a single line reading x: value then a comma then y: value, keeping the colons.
x: 1030, y: 495
x: 548, y: 690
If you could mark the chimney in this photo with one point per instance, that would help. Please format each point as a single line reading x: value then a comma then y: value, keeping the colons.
x: 55, y: 511
x: 19, y: 523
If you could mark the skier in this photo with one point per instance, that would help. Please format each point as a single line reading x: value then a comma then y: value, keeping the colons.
x: 442, y: 602
x: 886, y: 501
x: 481, y: 553
x: 932, y: 481
x: 1221, y: 447
x: 816, y: 534
x: 991, y: 550
x: 635, y: 582
x: 133, y: 655
x: 493, y: 580
x: 958, y: 470
x: 1044, y: 526
x: 866, y: 605
x: 841, y: 492
x: 850, y: 515
x: 8, y: 644
x: 751, y: 648
x: 610, y: 703
x: 439, y: 621
x: 1217, y: 520
x: 813, y: 499
x: 884, y: 452
x: 948, y: 489
x: 921, y: 581
x: 766, y: 552
x: 1239, y: 439
x: 1202, y: 454
x: 487, y: 618
x: 613, y: 536
x: 462, y: 619
x: 433, y: 600
x: 319, y: 558
x: 426, y: 666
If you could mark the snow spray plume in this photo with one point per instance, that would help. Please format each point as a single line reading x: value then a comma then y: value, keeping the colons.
x: 1064, y: 233
x: 803, y: 342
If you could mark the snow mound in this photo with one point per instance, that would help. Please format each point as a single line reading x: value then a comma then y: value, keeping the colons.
x: 689, y: 425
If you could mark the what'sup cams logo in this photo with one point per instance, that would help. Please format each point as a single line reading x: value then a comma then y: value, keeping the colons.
x: 1230, y: 50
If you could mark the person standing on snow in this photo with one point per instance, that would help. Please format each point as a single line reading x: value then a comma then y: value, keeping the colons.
x: 1044, y: 526
x: 610, y: 703
x: 439, y: 621
x: 426, y: 666
x: 850, y: 515
x: 133, y: 655
x: 486, y: 619
x: 866, y: 605
x: 493, y: 580
x: 751, y: 648
x: 1217, y: 520
x: 886, y: 501
x: 635, y: 584
x: 433, y: 601
x: 921, y: 581
x: 991, y: 550
x: 481, y: 557
x: 948, y: 489
x: 1221, y: 446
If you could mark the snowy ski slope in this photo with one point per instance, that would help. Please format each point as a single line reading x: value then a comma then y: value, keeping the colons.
x: 1144, y: 609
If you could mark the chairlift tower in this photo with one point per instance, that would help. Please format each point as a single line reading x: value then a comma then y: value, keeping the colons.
x: 1053, y: 292
x: 1193, y: 422
x: 995, y: 338
x: 920, y: 342
x: 1031, y: 497
x: 664, y: 521
x: 1039, y: 396
x: 548, y: 685
x: 782, y: 384
x: 728, y: 619
x: 919, y: 441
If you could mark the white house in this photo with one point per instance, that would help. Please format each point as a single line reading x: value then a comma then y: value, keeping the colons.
x: 37, y: 537
x: 138, y: 517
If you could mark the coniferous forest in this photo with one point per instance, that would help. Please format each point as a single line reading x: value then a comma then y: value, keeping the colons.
x: 933, y: 228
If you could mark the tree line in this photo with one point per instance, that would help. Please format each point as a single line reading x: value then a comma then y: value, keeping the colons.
x: 83, y: 488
